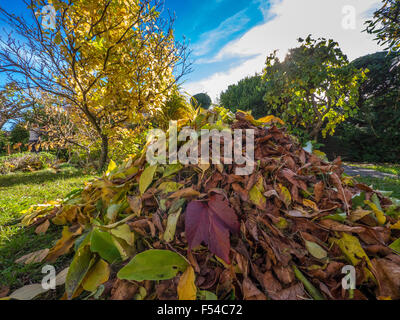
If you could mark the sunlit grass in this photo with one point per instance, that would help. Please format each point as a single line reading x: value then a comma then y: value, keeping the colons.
x: 18, y: 191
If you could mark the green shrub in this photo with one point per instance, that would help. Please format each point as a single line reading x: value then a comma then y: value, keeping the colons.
x: 373, y: 134
x: 19, y: 134
x: 4, y: 141
x: 26, y: 162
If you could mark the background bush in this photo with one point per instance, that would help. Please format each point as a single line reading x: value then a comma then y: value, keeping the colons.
x: 373, y: 134
x: 26, y: 162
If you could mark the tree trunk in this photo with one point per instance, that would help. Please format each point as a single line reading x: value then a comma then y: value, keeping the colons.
x: 104, y: 152
x: 315, y: 131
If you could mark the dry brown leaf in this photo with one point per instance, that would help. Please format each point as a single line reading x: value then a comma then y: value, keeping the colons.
x: 319, y: 191
x: 250, y: 291
x: 388, y: 276
x: 42, y: 228
x: 4, y: 290
x: 337, y: 226
x: 185, y: 193
x: 33, y: 257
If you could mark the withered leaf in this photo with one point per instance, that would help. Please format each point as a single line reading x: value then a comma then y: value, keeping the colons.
x: 210, y: 222
x: 42, y: 228
x: 319, y: 191
x: 388, y: 276
x: 250, y: 291
x: 185, y: 193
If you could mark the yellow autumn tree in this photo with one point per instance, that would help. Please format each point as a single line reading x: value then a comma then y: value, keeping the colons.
x: 114, y: 61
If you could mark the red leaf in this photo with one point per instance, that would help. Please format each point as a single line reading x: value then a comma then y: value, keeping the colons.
x: 210, y: 222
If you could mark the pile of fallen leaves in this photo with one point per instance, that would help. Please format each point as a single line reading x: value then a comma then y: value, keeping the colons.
x: 287, y: 231
x: 26, y: 161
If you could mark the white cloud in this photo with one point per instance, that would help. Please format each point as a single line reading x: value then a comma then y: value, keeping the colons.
x: 226, y: 28
x: 287, y: 20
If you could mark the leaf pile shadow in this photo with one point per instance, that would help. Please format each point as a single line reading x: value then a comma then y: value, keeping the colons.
x: 284, y: 232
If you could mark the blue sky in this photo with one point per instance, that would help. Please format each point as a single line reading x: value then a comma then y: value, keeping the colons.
x: 230, y: 39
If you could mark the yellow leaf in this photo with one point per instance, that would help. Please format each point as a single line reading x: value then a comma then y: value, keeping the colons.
x: 186, y: 288
x: 112, y: 165
x: 146, y: 178
x: 271, y: 119
x: 256, y: 197
x: 396, y: 226
x: 352, y: 249
x: 204, y: 167
x: 285, y: 195
x: 310, y: 204
x: 97, y: 275
x: 358, y: 214
x: 63, y: 245
x: 380, y: 216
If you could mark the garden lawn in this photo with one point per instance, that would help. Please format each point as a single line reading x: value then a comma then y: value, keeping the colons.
x: 18, y: 191
x: 386, y: 184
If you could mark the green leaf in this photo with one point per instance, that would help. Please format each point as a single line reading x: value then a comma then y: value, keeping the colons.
x: 358, y: 200
x: 336, y: 217
x: 80, y: 265
x: 97, y: 275
x: 308, y: 285
x: 172, y: 169
x: 102, y: 243
x: 206, y: 295
x: 256, y: 197
x: 147, y: 178
x: 125, y: 233
x: 385, y: 193
x: 396, y: 246
x: 113, y: 210
x: 376, y: 201
x: 169, y: 233
x: 170, y: 186
x: 316, y: 250
x: 153, y: 265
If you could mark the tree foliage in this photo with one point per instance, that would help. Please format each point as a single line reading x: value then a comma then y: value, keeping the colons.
x: 12, y: 104
x: 112, y: 61
x: 19, y: 134
x: 202, y: 100
x: 246, y: 95
x: 371, y: 135
x: 385, y: 25
x: 175, y: 108
x: 314, y: 88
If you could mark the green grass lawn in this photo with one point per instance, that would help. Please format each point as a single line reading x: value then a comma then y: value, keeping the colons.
x: 386, y: 184
x: 18, y: 191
